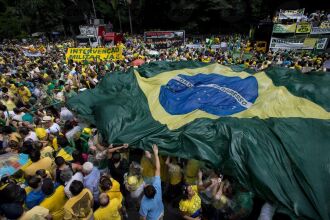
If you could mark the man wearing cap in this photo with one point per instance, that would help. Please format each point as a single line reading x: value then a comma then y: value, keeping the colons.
x: 52, y: 127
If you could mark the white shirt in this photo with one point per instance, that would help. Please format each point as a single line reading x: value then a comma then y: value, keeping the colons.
x: 18, y: 117
x: 31, y: 136
x: 70, y: 134
x: 54, y: 128
x: 77, y: 176
x: 66, y: 114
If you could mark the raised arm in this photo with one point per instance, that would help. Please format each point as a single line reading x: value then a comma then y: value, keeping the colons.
x: 157, y: 163
x: 114, y: 149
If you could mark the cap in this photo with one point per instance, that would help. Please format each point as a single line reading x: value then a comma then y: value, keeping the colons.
x: 87, y: 131
x: 46, y: 118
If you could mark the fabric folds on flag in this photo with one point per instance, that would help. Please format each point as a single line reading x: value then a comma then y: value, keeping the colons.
x: 270, y: 130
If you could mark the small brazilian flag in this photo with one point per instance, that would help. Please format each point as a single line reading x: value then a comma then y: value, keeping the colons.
x: 270, y: 130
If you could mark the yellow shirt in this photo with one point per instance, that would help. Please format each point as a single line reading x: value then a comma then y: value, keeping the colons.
x: 55, y: 202
x: 36, y: 213
x: 79, y: 206
x: 190, y: 206
x: 192, y: 169
x: 114, y: 192
x: 65, y: 155
x: 9, y: 104
x: 47, y: 152
x: 44, y: 163
x: 25, y: 94
x: 109, y: 212
x: 148, y: 167
x: 221, y: 202
x: 26, y: 165
x: 175, y: 174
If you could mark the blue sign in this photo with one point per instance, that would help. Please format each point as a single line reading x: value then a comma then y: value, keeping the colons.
x: 213, y: 93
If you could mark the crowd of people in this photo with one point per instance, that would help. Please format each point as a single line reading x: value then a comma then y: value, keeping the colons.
x: 64, y: 170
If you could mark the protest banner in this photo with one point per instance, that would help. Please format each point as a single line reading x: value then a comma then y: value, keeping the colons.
x: 281, y: 28
x: 303, y: 28
x: 325, y: 24
x: 309, y: 43
x: 194, y: 46
x: 321, y: 43
x: 291, y: 14
x: 164, y: 39
x: 286, y: 44
x: 97, y: 54
x: 87, y: 30
x: 318, y: 30
x: 32, y: 54
x: 323, y: 29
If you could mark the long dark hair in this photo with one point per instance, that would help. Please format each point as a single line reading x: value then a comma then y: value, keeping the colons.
x: 184, y: 189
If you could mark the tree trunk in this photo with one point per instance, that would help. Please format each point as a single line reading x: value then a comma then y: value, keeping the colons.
x: 119, y: 19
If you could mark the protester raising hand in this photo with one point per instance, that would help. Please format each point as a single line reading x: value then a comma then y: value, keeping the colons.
x: 155, y: 149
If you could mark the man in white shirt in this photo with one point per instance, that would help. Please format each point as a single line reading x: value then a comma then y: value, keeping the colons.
x: 66, y: 114
x: 52, y: 127
x: 67, y: 177
x: 18, y: 114
x: 28, y: 134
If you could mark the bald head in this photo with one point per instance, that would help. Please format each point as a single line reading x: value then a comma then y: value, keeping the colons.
x: 104, y: 199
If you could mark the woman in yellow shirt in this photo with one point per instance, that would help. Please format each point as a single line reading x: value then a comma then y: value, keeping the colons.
x: 190, y: 205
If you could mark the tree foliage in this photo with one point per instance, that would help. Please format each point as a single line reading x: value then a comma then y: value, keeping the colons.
x: 19, y: 17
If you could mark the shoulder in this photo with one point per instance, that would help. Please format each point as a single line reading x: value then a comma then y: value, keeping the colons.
x: 60, y: 188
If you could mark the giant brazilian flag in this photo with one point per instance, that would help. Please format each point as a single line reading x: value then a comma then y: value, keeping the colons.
x: 271, y: 130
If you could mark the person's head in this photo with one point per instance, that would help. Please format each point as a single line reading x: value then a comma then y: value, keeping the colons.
x: 4, y: 90
x: 24, y: 131
x: 47, y: 121
x: 34, y: 182
x: 104, y: 199
x: 5, y: 97
x: 116, y: 157
x: 76, y: 187
x: 12, y: 210
x: 87, y: 168
x: 27, y: 147
x: 77, y: 157
x: 16, y: 111
x: 13, y: 145
x: 6, y: 130
x: 105, y: 183
x: 59, y: 161
x: 62, y: 141
x: 34, y: 155
x: 187, y: 192
x: 41, y: 173
x: 149, y: 191
x: 227, y: 189
x: 66, y: 174
x: 67, y: 88
x: 47, y: 186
